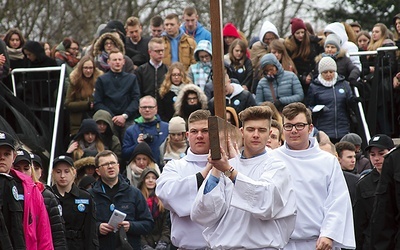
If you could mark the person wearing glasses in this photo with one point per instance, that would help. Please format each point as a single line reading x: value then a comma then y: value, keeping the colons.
x: 200, y: 72
x: 147, y: 128
x: 324, y: 213
x: 330, y: 98
x: 77, y: 206
x: 151, y: 74
x: 117, y: 92
x: 111, y: 191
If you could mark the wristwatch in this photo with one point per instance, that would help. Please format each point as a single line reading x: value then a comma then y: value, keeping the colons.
x: 125, y: 116
x: 228, y: 173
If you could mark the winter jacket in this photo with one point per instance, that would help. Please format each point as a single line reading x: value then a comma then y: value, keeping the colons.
x: 333, y: 119
x: 117, y: 93
x: 304, y: 66
x: 98, y: 48
x: 56, y: 220
x: 110, y: 141
x: 186, y: 48
x: 150, y: 78
x: 156, y: 128
x: 128, y: 200
x: 243, y: 74
x: 179, y: 104
x: 286, y: 85
x: 240, y: 99
x: 166, y: 106
x: 200, y: 73
x: 338, y: 29
x: 364, y: 204
x: 345, y: 67
x: 11, y: 229
x: 260, y: 48
x: 78, y: 105
x: 5, y: 68
x: 138, y: 52
x: 385, y: 214
x: 36, y: 222
x: 78, y: 211
x: 199, y: 34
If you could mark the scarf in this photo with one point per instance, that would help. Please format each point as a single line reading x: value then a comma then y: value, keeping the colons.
x: 89, y: 149
x: 176, y: 88
x: 102, y: 59
x: 15, y: 54
x: 152, y: 202
x: 69, y: 59
x: 174, y: 151
x: 331, y: 56
x: 327, y: 83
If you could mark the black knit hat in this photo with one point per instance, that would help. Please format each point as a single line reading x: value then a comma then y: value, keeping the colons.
x: 87, y: 125
x: 142, y: 148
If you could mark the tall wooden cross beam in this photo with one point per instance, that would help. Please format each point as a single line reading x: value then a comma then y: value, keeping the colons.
x: 219, y: 129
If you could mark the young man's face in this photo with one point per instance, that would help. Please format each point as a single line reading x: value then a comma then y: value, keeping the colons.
x: 297, y: 139
x: 347, y: 160
x: 156, y: 31
x: 171, y: 27
x: 134, y: 32
x: 156, y: 52
x: 190, y: 21
x: 255, y: 136
x: 116, y: 62
x: 376, y: 156
x: 198, y: 137
x: 7, y: 157
x: 274, y: 141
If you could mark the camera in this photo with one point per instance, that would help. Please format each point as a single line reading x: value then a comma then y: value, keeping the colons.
x: 148, y: 138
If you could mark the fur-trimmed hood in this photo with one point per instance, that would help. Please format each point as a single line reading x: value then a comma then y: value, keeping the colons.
x: 342, y: 53
x: 99, y: 44
x: 83, y: 162
x: 190, y: 87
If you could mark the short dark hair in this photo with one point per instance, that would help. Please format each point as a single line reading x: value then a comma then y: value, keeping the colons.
x: 278, y: 126
x: 291, y: 110
x: 103, y: 153
x: 172, y: 16
x: 344, y: 145
x: 156, y: 21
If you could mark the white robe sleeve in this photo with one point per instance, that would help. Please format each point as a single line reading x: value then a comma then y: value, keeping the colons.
x: 338, y: 220
x: 209, y: 208
x: 175, y: 190
x: 269, y: 197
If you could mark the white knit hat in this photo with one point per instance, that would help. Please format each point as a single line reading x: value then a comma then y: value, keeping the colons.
x: 177, y: 125
x: 327, y: 63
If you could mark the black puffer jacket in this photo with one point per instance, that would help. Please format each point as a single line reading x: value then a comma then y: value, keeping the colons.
x: 56, y: 221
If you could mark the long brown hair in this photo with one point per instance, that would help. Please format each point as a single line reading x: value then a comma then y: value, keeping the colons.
x: 146, y: 194
x: 166, y: 84
x: 373, y: 45
x: 234, y: 62
x: 304, y: 50
x: 79, y: 83
x: 286, y: 61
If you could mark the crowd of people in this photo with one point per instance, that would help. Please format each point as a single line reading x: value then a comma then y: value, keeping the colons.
x: 137, y: 127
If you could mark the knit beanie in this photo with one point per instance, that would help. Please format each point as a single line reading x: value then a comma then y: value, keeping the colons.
x: 144, y: 149
x: 297, y: 24
x: 230, y: 30
x: 352, y: 138
x: 177, y: 125
x: 332, y: 39
x: 327, y: 63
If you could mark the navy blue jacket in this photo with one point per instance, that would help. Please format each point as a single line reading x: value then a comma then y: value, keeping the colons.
x: 157, y: 128
x: 334, y: 118
x: 117, y: 93
x: 128, y: 200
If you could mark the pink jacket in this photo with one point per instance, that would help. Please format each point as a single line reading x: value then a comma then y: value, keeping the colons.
x: 36, y: 222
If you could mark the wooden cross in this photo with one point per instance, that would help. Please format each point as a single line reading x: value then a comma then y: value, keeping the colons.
x: 219, y: 129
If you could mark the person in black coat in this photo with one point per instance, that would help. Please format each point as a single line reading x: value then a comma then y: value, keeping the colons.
x: 78, y: 209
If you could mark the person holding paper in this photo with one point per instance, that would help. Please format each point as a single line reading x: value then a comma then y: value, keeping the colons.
x: 330, y: 98
x: 112, y: 192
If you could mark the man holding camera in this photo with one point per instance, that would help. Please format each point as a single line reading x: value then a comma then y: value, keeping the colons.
x: 147, y: 128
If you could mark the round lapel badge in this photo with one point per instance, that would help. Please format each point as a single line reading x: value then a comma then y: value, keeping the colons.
x: 81, y: 207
